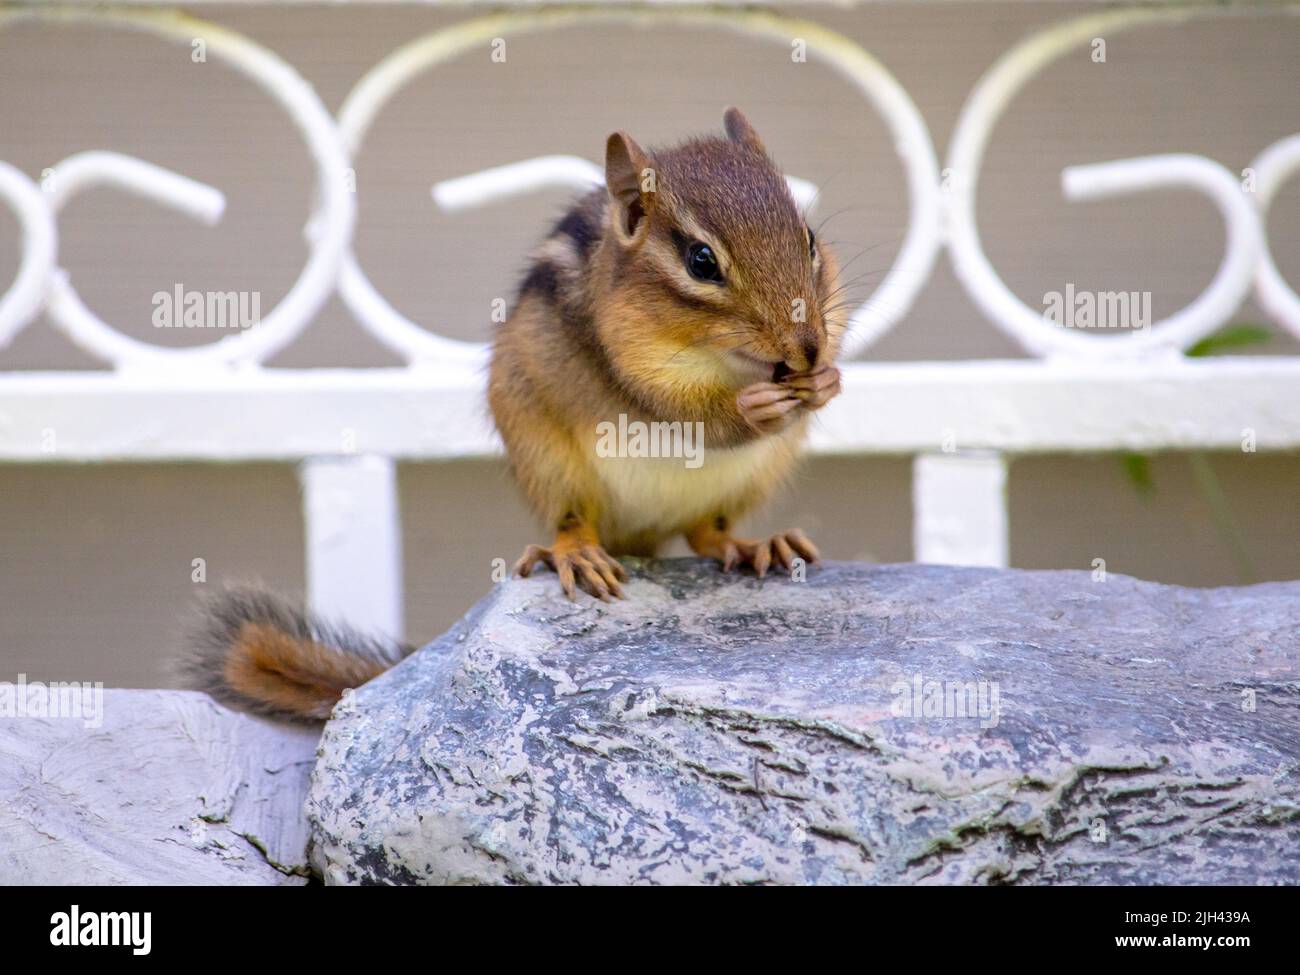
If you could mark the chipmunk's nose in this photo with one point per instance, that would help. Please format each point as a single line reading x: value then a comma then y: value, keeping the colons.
x: 802, y: 352
x: 811, y: 350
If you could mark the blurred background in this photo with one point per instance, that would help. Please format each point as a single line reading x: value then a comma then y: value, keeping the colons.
x: 96, y: 560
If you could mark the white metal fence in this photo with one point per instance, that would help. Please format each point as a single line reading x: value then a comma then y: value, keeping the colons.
x: 347, y: 428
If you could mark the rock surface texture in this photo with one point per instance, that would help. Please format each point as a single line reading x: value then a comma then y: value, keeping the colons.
x: 162, y: 787
x: 894, y: 724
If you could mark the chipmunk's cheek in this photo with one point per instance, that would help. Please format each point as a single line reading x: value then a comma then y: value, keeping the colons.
x: 749, y: 368
x: 689, y: 365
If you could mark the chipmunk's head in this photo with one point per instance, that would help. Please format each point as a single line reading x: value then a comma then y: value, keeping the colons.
x: 717, y: 256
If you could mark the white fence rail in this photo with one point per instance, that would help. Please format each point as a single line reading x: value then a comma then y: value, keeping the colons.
x: 960, y: 420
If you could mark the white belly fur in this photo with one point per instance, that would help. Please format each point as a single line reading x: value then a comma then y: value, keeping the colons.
x: 657, y: 493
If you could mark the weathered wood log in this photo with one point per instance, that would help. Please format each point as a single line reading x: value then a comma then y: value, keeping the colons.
x: 895, y: 724
x: 159, y: 787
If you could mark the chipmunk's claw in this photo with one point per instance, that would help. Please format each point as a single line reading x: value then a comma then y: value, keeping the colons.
x: 782, y: 548
x: 815, y: 389
x: 767, y: 407
x: 770, y: 407
x: 759, y: 555
x: 586, y: 567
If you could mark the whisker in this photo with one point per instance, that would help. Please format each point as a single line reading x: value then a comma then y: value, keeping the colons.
x: 818, y: 195
x: 866, y: 250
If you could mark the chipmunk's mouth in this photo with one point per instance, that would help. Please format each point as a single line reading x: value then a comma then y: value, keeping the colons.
x: 756, y: 364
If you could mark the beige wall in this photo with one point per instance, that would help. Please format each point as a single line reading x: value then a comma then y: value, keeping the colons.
x: 95, y: 561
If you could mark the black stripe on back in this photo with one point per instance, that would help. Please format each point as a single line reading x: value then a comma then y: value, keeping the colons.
x: 543, y: 279
x: 579, y: 227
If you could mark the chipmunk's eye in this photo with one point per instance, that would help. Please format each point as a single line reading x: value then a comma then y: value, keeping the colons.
x: 812, y: 244
x: 702, y: 263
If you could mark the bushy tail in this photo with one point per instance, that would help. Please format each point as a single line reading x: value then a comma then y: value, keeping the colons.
x: 255, y: 652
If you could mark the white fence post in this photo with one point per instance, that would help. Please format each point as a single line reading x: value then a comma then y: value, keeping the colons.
x: 354, y: 541
x: 959, y: 508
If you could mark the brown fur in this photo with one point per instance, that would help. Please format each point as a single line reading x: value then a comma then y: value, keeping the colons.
x: 293, y: 674
x: 258, y: 653
x: 609, y: 322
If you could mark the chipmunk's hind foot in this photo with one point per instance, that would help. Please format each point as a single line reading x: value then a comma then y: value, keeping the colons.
x: 782, y: 548
x: 580, y: 566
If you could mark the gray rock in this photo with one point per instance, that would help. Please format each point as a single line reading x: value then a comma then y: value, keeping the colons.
x: 719, y: 729
x: 168, y: 788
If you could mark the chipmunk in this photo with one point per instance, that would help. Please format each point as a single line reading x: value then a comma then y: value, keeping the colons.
x: 687, y: 290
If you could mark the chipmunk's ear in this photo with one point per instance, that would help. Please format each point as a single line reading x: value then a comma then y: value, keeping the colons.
x: 739, y: 130
x: 630, y: 179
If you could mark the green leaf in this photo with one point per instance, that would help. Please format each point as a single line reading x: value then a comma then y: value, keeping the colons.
x: 1137, y: 467
x: 1232, y: 337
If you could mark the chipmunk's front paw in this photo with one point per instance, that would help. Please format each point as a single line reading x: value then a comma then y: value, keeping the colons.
x: 815, y: 389
x: 767, y: 407
x: 586, y: 567
x: 783, y: 548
